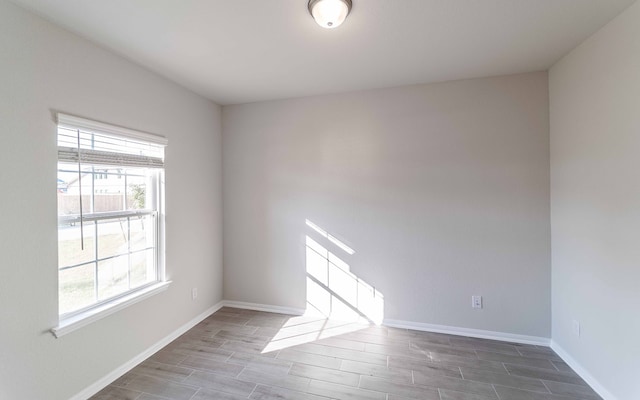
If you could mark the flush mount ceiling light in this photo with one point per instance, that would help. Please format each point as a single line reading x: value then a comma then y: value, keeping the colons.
x: 329, y: 13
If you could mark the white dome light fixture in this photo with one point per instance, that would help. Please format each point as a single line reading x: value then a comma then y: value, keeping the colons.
x: 329, y: 13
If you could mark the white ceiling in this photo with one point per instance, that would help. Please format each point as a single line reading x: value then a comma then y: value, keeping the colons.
x: 239, y: 51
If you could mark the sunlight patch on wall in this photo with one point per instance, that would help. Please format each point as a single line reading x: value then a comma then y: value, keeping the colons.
x: 338, y: 301
x: 332, y: 289
x: 331, y: 238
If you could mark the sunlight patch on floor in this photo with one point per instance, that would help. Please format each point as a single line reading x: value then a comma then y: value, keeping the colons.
x: 310, y: 328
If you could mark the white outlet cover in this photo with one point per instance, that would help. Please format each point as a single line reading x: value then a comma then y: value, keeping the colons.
x: 576, y: 327
x: 476, y: 301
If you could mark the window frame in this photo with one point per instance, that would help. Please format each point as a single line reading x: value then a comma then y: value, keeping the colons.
x: 72, y: 320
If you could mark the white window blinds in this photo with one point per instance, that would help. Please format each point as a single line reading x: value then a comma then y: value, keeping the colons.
x: 88, y: 142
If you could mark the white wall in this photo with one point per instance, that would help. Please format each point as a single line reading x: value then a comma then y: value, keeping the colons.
x: 595, y: 204
x: 44, y: 69
x: 442, y: 190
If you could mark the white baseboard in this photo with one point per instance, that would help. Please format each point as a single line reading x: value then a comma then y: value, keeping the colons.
x: 124, y: 368
x: 584, y: 374
x: 263, y: 307
x: 477, y: 333
x: 418, y: 326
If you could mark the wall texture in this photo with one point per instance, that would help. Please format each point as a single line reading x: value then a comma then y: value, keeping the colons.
x: 441, y: 190
x: 44, y: 69
x: 595, y: 204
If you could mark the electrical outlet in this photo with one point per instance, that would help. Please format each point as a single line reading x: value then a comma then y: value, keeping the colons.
x: 194, y: 293
x: 575, y: 327
x: 476, y: 301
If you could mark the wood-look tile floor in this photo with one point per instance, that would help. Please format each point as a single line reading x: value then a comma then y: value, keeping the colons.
x: 239, y: 354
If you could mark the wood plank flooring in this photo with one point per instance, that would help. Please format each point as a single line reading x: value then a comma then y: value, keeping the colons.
x: 240, y: 354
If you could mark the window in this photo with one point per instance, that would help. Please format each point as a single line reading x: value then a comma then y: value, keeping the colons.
x: 110, y: 225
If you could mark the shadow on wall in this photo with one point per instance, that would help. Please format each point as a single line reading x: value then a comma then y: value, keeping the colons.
x: 333, y: 291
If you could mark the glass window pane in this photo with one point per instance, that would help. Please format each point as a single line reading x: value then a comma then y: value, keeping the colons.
x: 142, y: 233
x: 113, y: 277
x: 70, y: 250
x: 69, y: 184
x: 112, y: 238
x: 142, y: 268
x: 76, y: 288
x: 108, y: 189
x: 137, y: 196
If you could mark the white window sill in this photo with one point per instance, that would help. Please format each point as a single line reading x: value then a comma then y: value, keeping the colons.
x: 77, y: 321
